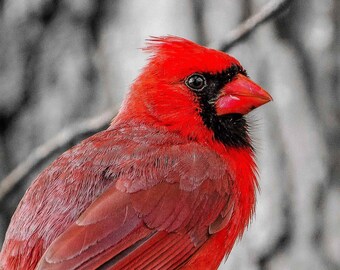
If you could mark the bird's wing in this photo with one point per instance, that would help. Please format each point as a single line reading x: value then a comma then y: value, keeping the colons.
x: 165, y: 202
x: 156, y: 228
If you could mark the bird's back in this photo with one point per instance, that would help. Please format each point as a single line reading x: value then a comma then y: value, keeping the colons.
x: 72, y: 182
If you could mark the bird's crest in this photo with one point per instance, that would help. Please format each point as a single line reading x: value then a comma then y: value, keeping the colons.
x: 186, y: 56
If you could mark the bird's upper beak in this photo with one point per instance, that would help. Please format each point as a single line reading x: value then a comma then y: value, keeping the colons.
x: 241, y: 95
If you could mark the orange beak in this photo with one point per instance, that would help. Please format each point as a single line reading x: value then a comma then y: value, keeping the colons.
x: 241, y: 95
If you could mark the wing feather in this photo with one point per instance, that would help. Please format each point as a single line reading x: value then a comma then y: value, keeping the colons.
x: 161, y: 252
x: 101, y: 227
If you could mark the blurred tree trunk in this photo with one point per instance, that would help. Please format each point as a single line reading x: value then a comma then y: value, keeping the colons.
x: 61, y: 61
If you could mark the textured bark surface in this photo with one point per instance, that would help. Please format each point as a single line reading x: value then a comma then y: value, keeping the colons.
x: 62, y: 61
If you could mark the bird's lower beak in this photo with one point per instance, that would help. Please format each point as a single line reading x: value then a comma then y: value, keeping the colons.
x: 241, y: 95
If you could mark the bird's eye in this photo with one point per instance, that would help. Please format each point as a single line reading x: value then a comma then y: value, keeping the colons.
x: 196, y: 82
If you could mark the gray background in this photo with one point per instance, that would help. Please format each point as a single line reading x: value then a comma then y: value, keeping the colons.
x: 62, y: 61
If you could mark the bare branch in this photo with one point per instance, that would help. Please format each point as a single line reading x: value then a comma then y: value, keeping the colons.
x: 267, y: 12
x: 91, y: 126
x: 63, y: 139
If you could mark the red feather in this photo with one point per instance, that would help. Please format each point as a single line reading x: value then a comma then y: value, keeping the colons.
x: 156, y: 190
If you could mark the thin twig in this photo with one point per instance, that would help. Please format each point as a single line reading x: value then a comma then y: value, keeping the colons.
x: 93, y: 125
x: 267, y: 12
x: 62, y: 140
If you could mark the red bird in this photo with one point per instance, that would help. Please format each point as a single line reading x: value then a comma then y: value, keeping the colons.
x: 169, y: 185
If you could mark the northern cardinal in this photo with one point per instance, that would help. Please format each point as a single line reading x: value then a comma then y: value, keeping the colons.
x: 169, y: 185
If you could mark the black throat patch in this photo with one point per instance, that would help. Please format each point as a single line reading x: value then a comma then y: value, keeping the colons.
x: 230, y: 129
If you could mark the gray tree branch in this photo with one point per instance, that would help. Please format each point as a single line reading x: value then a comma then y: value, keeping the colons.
x: 267, y: 12
x: 70, y: 135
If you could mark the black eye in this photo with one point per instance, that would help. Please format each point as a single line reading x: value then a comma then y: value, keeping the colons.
x: 196, y: 82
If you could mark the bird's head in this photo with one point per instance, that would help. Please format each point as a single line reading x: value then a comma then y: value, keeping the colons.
x: 187, y: 87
